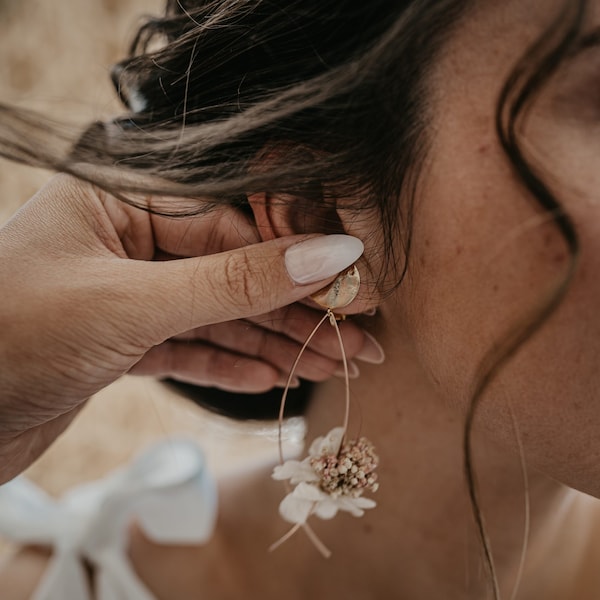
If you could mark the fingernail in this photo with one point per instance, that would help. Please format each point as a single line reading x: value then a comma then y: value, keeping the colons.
x: 370, y: 313
x: 371, y: 352
x: 353, y: 370
x: 282, y: 382
x: 321, y: 257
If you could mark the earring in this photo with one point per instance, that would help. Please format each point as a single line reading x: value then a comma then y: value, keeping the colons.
x: 337, y: 471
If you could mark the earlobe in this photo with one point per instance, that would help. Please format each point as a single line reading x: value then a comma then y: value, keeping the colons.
x: 284, y: 214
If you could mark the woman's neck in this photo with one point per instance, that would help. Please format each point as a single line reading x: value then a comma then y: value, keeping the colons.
x: 421, y: 540
x: 423, y: 527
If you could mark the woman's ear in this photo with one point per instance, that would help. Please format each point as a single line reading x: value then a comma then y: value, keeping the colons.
x: 266, y: 225
x: 283, y: 214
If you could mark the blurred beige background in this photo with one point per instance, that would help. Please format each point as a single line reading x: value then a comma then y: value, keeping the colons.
x: 55, y: 56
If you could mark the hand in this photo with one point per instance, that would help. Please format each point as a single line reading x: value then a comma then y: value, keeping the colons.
x: 86, y: 301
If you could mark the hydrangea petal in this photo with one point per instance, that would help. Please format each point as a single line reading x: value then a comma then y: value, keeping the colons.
x: 314, y: 449
x: 295, y: 471
x: 355, y: 506
x: 326, y: 509
x: 305, y: 473
x: 306, y: 491
x: 295, y: 510
x: 365, y: 502
x: 330, y: 444
x: 287, y: 470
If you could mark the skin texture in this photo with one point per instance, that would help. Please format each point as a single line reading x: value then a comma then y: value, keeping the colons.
x: 485, y: 260
x: 482, y: 259
x: 93, y: 297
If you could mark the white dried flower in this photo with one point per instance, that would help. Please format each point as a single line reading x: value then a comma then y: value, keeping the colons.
x: 331, y: 478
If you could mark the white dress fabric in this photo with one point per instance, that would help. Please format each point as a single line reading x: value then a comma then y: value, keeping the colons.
x: 167, y: 490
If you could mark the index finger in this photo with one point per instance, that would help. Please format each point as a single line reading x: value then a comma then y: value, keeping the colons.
x: 180, y: 295
x: 223, y: 228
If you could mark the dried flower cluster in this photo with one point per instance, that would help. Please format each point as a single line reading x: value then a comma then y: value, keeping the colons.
x: 350, y: 472
x: 330, y: 479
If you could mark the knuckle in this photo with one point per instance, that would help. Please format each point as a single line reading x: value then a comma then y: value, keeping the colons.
x: 244, y: 282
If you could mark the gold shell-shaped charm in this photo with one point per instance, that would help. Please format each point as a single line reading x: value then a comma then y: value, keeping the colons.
x: 340, y: 292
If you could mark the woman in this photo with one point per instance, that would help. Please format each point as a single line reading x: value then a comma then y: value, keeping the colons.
x: 442, y: 134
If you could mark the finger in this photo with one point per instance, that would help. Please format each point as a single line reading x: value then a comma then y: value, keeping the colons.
x: 298, y: 322
x: 246, y: 339
x: 179, y: 295
x: 294, y: 322
x: 208, y: 366
x: 220, y: 230
x: 145, y: 234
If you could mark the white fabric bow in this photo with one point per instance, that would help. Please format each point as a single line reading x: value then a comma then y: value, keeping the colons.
x: 167, y: 490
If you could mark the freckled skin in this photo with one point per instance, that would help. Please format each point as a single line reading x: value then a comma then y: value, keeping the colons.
x: 483, y: 260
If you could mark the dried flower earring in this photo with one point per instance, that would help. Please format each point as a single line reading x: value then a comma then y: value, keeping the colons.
x: 336, y: 472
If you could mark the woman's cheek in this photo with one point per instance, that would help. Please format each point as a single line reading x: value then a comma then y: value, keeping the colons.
x: 484, y: 265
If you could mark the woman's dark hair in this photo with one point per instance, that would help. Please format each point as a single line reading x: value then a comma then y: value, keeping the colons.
x: 325, y: 101
x: 334, y: 92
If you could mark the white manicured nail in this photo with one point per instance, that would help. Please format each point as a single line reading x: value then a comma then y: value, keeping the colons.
x: 353, y: 370
x: 371, y: 352
x: 321, y: 257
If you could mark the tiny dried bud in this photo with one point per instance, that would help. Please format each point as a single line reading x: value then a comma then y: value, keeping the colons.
x: 350, y: 472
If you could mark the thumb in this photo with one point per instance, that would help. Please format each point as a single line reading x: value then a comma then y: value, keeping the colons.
x: 179, y: 295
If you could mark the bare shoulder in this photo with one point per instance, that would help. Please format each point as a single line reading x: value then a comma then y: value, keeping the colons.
x: 21, y: 573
